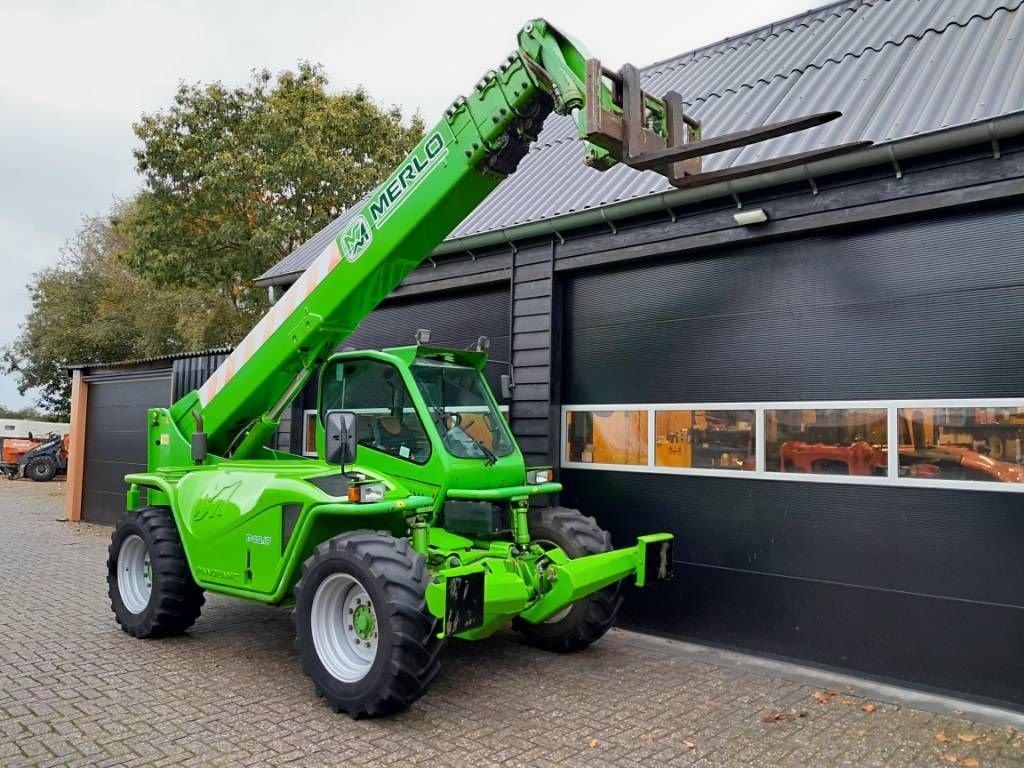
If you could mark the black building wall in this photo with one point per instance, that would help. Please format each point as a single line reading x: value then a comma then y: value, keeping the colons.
x: 931, y: 307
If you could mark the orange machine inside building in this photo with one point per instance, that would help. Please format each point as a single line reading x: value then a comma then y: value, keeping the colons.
x: 608, y: 437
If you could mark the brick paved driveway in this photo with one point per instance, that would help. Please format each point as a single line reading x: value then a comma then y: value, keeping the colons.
x: 74, y: 690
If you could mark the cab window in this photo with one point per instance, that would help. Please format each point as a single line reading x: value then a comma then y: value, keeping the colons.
x: 386, y: 419
x: 469, y: 424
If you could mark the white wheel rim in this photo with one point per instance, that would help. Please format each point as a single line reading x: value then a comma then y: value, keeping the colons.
x: 557, y: 617
x: 344, y: 627
x: 134, y: 574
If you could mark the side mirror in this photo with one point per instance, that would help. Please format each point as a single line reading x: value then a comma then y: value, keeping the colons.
x: 340, y: 437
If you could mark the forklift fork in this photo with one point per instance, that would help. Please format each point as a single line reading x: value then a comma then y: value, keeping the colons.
x: 630, y: 126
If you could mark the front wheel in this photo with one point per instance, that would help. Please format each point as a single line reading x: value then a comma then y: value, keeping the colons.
x: 152, y: 592
x: 363, y: 630
x: 42, y: 469
x: 585, y: 621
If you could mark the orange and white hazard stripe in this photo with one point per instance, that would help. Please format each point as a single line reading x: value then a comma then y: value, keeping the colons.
x: 282, y: 310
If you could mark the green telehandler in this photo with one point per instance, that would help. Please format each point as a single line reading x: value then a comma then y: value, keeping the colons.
x: 418, y: 520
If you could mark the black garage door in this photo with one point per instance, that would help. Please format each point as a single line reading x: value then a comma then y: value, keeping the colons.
x: 911, y: 584
x: 115, y: 441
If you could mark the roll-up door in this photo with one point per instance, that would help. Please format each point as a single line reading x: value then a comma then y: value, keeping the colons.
x: 115, y: 442
x: 918, y: 584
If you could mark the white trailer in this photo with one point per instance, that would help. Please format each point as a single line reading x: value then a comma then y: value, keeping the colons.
x: 29, y: 428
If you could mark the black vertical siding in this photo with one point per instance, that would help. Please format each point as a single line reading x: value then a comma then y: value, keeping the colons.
x: 192, y: 372
x: 531, y: 353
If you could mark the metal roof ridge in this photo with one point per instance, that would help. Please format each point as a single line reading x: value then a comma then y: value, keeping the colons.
x: 852, y: 36
x: 819, y: 65
x: 775, y: 27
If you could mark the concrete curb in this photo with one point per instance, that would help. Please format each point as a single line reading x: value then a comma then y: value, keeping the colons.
x: 864, y: 687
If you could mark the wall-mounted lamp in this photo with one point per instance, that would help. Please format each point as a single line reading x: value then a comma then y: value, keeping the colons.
x: 751, y: 217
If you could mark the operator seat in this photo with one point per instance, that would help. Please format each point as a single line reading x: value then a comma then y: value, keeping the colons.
x: 390, y: 434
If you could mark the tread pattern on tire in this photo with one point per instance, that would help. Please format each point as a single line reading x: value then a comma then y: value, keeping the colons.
x: 414, y: 661
x: 48, y: 473
x: 176, y: 600
x: 599, y: 610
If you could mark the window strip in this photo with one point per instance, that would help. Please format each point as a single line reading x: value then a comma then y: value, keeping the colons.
x: 763, y: 472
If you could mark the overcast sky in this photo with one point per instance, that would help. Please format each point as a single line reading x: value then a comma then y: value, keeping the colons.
x: 77, y: 74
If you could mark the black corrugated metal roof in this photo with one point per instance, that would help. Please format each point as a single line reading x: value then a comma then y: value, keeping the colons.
x: 225, y: 350
x: 897, y: 69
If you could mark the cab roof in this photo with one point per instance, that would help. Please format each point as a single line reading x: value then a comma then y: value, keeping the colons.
x: 468, y: 357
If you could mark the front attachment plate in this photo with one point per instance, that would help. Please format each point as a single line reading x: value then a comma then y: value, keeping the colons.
x: 463, y: 603
x: 657, y: 561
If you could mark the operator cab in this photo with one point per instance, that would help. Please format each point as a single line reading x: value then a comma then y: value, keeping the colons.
x: 412, y: 402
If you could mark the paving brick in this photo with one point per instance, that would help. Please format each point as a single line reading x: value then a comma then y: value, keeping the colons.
x: 76, y: 691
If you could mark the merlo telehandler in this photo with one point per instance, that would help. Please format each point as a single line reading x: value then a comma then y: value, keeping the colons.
x: 414, y: 523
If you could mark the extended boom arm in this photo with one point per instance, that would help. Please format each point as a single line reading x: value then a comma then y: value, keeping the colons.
x: 460, y: 161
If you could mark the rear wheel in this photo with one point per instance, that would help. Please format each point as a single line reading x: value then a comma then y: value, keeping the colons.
x: 41, y: 469
x: 363, y: 630
x: 152, y: 592
x: 586, y: 620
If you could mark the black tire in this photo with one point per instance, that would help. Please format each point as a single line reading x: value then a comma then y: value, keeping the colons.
x: 41, y: 468
x: 395, y: 578
x: 175, y: 600
x: 589, y: 618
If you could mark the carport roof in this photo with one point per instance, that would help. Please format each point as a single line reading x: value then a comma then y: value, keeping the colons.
x: 897, y: 69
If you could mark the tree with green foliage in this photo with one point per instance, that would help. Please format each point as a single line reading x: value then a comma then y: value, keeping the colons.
x: 90, y: 307
x: 28, y: 413
x: 236, y: 179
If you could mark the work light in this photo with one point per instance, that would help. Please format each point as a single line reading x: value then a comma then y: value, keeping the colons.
x: 365, y: 493
x: 538, y: 476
